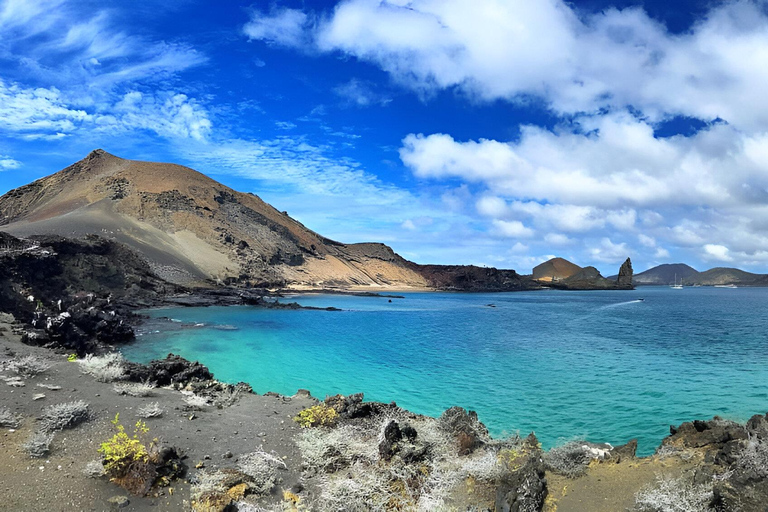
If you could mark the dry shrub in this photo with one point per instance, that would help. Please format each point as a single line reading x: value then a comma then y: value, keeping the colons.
x: 138, y: 389
x: 28, y: 366
x: 570, y: 460
x: 39, y: 444
x: 64, y: 415
x: 106, y: 368
x: 9, y: 419
x: 262, y: 468
x: 674, y: 495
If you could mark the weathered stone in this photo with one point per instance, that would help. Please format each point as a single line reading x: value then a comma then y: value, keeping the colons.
x: 624, y: 280
x: 469, y: 432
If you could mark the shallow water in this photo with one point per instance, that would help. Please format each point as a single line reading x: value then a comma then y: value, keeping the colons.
x: 596, y: 365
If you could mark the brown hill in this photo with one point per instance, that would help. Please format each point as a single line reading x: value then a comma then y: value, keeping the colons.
x: 555, y: 269
x: 192, y: 229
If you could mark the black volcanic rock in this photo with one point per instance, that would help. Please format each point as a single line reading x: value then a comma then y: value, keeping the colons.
x: 171, y: 370
x: 470, y: 278
x: 625, y: 275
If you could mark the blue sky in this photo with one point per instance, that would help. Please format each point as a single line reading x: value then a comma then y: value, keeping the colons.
x: 491, y: 132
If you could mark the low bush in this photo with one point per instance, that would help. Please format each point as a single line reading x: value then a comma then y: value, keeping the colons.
x: 64, y: 415
x: 106, y: 368
x: 139, y: 389
x: 9, y: 419
x: 39, y: 444
x: 674, y: 495
x: 570, y: 460
x: 754, y: 457
x: 126, y: 459
x: 262, y: 468
x: 195, y: 401
x: 318, y: 415
x: 28, y: 366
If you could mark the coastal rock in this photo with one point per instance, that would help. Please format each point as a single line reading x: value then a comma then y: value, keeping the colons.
x: 624, y: 452
x: 352, y: 406
x: 392, y: 436
x: 469, y: 432
x: 171, y: 370
x: 699, y: 434
x: 625, y: 275
x: 523, y: 487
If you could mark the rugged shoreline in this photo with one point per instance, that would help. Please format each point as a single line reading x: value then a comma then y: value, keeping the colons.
x: 591, y: 477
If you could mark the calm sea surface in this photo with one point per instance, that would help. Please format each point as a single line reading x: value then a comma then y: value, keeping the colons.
x: 602, y: 366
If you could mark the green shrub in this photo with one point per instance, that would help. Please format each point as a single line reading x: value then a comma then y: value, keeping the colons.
x: 318, y: 415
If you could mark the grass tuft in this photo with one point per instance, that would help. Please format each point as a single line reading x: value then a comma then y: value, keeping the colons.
x: 9, y: 419
x: 150, y: 410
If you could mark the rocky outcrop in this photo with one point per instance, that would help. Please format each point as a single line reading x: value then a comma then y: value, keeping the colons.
x: 469, y: 278
x: 625, y: 275
x: 171, y: 370
x: 524, y: 486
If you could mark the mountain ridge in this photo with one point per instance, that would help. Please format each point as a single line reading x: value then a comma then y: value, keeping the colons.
x: 193, y: 230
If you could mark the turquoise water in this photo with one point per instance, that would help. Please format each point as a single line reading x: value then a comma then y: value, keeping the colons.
x: 596, y: 365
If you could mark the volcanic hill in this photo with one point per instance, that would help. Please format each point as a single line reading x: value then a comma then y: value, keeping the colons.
x: 555, y: 269
x: 193, y: 230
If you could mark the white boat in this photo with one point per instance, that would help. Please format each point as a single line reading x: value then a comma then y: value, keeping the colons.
x: 676, y: 286
x: 726, y: 286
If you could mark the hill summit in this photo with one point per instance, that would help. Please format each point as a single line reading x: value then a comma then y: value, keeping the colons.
x: 191, y: 228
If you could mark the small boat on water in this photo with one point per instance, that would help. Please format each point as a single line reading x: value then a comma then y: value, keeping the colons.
x: 726, y: 286
x: 676, y: 286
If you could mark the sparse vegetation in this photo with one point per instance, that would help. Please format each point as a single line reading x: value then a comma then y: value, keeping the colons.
x: 754, y: 457
x: 196, y: 401
x: 106, y: 368
x: 28, y: 366
x: 262, y: 468
x: 9, y: 419
x: 126, y: 458
x: 64, y: 415
x: 150, y: 410
x: 570, y: 460
x: 318, y: 415
x: 674, y: 495
x: 138, y: 389
x: 39, y: 444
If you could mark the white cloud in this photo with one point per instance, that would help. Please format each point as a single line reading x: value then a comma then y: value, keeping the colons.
x: 513, y: 49
x: 47, y: 114
x: 7, y: 162
x: 558, y: 239
x: 717, y: 253
x: 609, y: 252
x: 284, y: 27
x: 512, y: 229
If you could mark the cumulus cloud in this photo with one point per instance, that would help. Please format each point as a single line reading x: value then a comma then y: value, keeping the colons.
x: 717, y: 252
x: 576, y: 62
x: 46, y: 113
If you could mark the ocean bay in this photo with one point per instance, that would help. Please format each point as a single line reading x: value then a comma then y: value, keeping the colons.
x: 600, y: 365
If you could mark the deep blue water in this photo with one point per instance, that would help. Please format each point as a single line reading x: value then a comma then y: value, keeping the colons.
x: 596, y: 365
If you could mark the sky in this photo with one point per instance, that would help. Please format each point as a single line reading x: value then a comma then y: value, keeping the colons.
x: 487, y: 132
